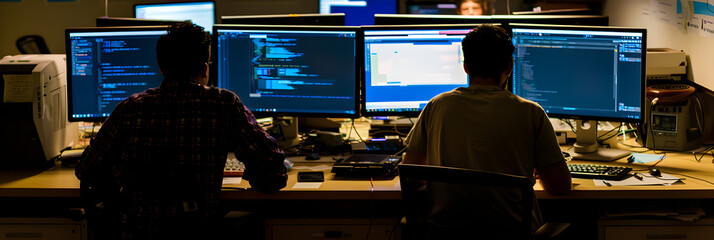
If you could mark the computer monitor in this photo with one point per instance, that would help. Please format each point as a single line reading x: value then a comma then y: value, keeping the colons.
x: 332, y: 19
x: 200, y: 13
x: 567, y: 11
x: 433, y: 8
x: 359, y: 12
x: 409, y: 19
x: 406, y: 66
x: 125, y: 22
x: 289, y: 70
x: 585, y: 73
x: 588, y: 20
x: 106, y: 65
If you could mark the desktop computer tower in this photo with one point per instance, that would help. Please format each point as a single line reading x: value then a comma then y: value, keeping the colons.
x: 34, y: 127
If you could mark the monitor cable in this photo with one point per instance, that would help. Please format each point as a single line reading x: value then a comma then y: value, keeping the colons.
x: 355, y: 129
x: 371, y: 207
x: 654, y: 149
x: 699, y: 115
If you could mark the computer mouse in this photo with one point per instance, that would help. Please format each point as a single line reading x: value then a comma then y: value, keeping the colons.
x: 655, y: 172
x: 312, y: 156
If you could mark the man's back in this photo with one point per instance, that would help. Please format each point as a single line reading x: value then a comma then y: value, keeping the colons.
x: 167, y: 148
x: 489, y: 129
x: 486, y: 128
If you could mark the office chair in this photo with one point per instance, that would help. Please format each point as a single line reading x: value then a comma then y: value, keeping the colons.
x: 420, y: 182
x: 32, y: 44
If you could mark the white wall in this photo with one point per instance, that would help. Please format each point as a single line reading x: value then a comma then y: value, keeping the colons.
x: 45, y: 19
x: 661, y: 35
x: 49, y: 19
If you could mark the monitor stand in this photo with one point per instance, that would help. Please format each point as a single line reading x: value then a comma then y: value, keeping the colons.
x: 289, y: 129
x: 587, y: 148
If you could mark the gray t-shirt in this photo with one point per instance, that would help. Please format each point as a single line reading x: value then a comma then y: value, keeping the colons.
x: 483, y: 128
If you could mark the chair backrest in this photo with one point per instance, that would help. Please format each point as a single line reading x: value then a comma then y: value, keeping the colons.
x: 417, y: 206
x: 32, y: 44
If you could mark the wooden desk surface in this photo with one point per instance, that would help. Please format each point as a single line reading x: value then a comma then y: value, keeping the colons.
x: 61, y: 182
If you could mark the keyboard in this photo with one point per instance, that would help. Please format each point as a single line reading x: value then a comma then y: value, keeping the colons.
x: 233, y: 168
x: 598, y: 171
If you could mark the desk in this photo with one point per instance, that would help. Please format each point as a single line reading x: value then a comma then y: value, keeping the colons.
x: 60, y: 185
x: 61, y: 182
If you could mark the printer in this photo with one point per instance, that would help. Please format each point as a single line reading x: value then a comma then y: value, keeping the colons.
x: 675, y: 121
x: 665, y: 64
x: 34, y: 127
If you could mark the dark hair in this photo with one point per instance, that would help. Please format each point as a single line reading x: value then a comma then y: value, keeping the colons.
x: 487, y: 51
x: 183, y: 51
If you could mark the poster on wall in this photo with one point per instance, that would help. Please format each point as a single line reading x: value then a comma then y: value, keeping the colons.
x: 699, y: 15
x: 693, y: 16
x: 665, y: 11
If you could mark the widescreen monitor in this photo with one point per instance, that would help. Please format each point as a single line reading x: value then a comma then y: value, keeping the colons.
x: 200, y: 13
x: 409, y: 19
x: 406, y: 66
x: 106, y: 65
x: 289, y: 70
x: 332, y: 19
x: 432, y: 8
x: 586, y: 73
x: 359, y: 12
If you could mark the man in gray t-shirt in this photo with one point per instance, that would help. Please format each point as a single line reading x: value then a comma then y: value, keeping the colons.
x: 487, y: 128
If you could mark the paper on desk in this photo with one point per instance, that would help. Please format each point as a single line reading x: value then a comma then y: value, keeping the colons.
x: 665, y: 180
x: 313, y: 185
x: 232, y: 180
x: 645, y: 157
x: 317, y: 168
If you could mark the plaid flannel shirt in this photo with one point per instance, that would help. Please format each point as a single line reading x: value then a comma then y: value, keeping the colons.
x: 168, y: 146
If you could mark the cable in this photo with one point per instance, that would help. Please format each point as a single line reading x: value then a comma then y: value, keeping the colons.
x: 355, y: 128
x: 572, y: 128
x: 393, y: 230
x: 616, y: 130
x: 400, y: 151
x: 704, y: 153
x: 706, y: 181
x: 371, y: 207
x: 349, y: 130
x: 654, y: 102
x: 697, y: 114
x: 397, y: 131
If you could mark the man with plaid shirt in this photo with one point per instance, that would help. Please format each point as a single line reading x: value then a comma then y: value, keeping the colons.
x: 155, y: 168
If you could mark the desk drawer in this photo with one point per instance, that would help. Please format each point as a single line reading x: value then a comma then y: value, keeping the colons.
x: 42, y: 229
x: 659, y: 232
x: 337, y: 229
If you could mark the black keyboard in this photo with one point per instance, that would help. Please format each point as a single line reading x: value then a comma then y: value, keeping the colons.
x: 598, y: 171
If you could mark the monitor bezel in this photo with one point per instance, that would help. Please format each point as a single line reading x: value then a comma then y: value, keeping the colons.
x: 129, y: 22
x: 424, y: 19
x: 215, y: 16
x: 358, y: 72
x: 396, y: 10
x: 68, y: 31
x: 287, y: 17
x: 411, y: 19
x: 643, y: 76
x: 363, y: 79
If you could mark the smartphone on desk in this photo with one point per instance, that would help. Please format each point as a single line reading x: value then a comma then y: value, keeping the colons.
x: 311, y: 177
